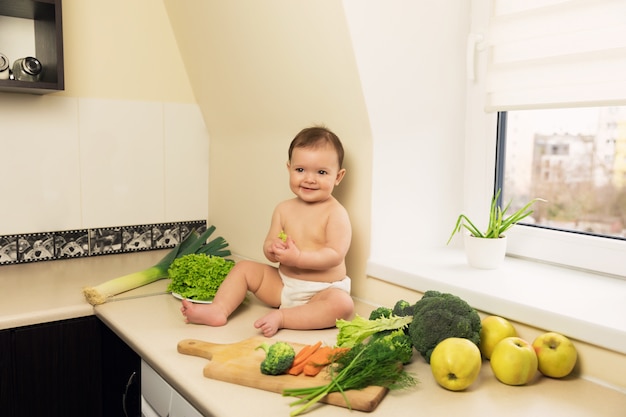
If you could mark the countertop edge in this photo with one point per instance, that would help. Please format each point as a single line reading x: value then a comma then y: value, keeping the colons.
x: 46, y: 316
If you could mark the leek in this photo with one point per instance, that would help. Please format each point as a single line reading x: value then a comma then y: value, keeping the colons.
x: 194, y: 243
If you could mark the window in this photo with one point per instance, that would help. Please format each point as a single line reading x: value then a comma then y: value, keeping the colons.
x: 559, y: 65
x: 573, y: 158
x: 434, y: 155
x: 576, y: 159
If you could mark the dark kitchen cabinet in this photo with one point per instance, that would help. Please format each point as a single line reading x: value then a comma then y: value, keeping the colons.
x: 48, y: 37
x: 56, y: 370
x: 121, y: 376
x: 6, y: 373
x: 69, y: 368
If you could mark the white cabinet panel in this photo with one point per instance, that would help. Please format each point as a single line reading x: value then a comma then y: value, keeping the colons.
x: 161, y: 398
x: 155, y: 390
x: 181, y: 408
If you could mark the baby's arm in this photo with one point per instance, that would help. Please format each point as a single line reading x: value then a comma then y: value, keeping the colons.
x: 272, y: 240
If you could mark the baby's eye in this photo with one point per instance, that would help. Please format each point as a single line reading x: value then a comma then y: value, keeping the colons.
x: 322, y: 172
x: 299, y: 170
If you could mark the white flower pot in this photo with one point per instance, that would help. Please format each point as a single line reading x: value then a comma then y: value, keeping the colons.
x: 485, y: 253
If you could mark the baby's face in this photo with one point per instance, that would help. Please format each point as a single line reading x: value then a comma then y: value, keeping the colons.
x: 314, y: 173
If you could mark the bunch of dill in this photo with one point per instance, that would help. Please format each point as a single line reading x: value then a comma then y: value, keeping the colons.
x: 374, y: 363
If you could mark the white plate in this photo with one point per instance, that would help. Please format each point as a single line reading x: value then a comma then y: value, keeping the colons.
x: 180, y: 297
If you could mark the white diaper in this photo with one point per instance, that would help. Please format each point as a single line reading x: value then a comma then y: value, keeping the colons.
x: 297, y: 292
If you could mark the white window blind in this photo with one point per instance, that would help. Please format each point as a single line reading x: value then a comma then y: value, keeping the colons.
x: 556, y: 53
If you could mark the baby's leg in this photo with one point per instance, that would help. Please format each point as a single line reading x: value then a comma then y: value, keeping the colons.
x: 321, y: 312
x: 209, y: 314
x: 261, y: 279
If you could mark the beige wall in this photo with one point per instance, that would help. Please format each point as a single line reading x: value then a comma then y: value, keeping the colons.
x: 261, y: 71
x: 122, y: 50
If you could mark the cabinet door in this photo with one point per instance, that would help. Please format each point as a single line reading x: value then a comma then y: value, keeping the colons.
x: 57, y: 369
x: 6, y: 373
x: 121, y: 377
x: 181, y: 408
x: 71, y: 368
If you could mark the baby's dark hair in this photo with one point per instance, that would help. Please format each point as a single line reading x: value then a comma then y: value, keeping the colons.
x: 311, y: 137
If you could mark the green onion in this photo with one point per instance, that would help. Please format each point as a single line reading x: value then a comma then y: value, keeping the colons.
x: 373, y: 363
x: 194, y: 243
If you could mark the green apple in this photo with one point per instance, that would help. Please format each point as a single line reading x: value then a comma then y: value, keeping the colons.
x: 514, y: 361
x: 556, y: 354
x: 493, y: 330
x: 455, y: 363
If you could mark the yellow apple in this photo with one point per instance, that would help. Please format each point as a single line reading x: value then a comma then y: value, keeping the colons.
x: 493, y: 330
x: 556, y: 354
x: 455, y: 363
x: 514, y: 361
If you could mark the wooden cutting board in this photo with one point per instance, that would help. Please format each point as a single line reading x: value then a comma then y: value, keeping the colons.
x: 239, y: 363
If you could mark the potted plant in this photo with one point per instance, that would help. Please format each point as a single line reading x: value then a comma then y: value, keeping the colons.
x: 487, y: 249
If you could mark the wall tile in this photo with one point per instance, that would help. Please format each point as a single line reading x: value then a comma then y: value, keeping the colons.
x: 39, y: 160
x: 122, y: 162
x: 77, y: 164
x: 186, y: 163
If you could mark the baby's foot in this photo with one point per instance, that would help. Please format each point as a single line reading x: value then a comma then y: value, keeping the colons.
x: 270, y: 323
x: 209, y: 314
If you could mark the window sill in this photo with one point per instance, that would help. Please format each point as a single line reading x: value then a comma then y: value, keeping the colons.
x: 581, y: 305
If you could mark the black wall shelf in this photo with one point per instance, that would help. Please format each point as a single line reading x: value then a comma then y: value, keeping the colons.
x: 48, y: 26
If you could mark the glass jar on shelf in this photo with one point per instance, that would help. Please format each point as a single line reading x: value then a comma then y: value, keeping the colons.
x: 27, y: 69
x: 4, y: 67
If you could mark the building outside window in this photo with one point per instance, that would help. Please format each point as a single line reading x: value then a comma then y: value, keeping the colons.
x: 574, y: 158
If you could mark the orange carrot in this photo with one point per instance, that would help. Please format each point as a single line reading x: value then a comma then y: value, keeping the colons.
x: 302, y: 357
x: 297, y: 369
x: 320, y: 359
x: 306, y: 352
x: 312, y: 369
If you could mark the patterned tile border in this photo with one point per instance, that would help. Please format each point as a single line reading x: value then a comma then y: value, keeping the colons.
x: 49, y: 246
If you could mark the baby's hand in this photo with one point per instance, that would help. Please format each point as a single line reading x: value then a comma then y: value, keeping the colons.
x: 287, y: 253
x: 276, y: 245
x: 280, y: 241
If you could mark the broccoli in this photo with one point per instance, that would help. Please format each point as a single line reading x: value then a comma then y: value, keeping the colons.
x: 437, y: 316
x: 385, y: 313
x: 380, y: 312
x: 402, y: 308
x: 397, y: 340
x: 278, y: 358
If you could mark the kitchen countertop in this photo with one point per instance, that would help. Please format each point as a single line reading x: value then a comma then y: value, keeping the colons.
x: 47, y: 291
x: 149, y: 320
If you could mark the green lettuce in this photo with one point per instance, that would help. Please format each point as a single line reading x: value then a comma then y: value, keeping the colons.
x: 198, y: 276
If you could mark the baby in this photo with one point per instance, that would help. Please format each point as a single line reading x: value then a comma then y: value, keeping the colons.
x: 309, y: 237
